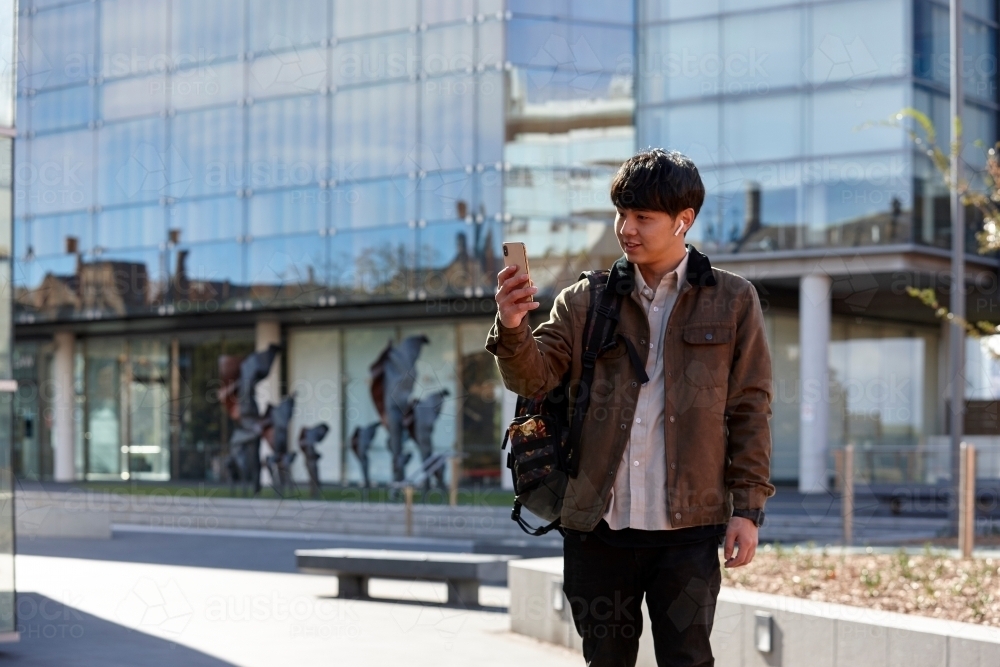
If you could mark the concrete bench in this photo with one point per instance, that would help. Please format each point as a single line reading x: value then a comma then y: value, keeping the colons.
x: 354, y: 567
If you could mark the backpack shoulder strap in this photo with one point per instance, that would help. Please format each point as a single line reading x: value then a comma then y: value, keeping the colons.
x: 602, y: 320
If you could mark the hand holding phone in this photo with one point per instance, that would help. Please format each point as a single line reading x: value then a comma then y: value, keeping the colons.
x: 514, y: 289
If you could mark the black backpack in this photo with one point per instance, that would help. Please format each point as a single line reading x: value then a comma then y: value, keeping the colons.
x: 545, y: 432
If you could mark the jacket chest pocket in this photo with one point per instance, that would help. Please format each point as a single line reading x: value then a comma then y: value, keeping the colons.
x: 707, y: 353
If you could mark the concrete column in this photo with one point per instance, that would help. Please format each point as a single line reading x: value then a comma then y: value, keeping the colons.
x: 814, y: 403
x: 268, y: 332
x: 63, y: 425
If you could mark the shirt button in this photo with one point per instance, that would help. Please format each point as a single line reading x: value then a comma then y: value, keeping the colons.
x: 635, y: 463
x: 677, y: 516
x: 670, y: 374
x: 672, y: 419
x: 655, y: 309
x: 651, y: 346
x: 638, y: 420
x: 708, y: 336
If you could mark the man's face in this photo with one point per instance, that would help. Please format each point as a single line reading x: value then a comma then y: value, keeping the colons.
x: 648, y: 236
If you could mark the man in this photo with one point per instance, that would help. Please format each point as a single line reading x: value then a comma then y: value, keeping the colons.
x: 666, y: 467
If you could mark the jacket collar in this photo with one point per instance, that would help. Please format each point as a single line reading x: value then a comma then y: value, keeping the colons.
x: 699, y: 271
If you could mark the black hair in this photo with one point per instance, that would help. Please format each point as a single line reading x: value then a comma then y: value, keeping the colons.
x: 658, y: 180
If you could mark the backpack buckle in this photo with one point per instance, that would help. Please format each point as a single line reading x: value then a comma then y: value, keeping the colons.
x: 589, y: 358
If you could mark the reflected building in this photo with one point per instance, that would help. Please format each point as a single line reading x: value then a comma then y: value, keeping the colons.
x: 203, y: 178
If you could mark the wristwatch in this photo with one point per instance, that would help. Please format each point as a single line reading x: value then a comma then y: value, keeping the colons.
x: 757, y: 516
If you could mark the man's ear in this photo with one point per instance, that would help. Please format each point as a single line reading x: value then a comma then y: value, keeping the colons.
x: 685, y: 219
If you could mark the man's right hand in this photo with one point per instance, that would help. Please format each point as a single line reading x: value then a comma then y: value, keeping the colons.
x: 513, y: 290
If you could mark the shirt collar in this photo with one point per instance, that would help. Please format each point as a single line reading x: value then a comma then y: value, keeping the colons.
x: 680, y: 272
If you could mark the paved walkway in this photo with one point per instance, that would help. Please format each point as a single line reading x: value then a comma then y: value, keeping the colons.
x: 234, y: 602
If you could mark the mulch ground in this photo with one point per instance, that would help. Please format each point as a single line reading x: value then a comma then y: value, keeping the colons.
x: 931, y: 584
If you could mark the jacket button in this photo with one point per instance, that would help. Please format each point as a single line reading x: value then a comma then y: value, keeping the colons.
x: 622, y: 427
x: 672, y: 419
x: 642, y: 341
x: 673, y: 466
x: 635, y: 384
x: 708, y: 336
x: 677, y: 516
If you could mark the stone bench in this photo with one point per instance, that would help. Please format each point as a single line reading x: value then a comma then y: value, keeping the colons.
x: 354, y: 567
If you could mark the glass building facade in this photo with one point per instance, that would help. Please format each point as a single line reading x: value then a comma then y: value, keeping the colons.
x: 188, y: 169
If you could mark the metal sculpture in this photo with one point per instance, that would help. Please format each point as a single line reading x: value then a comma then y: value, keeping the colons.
x: 279, y: 462
x: 237, y: 394
x: 392, y: 380
x: 309, y: 439
x: 361, y: 441
x: 420, y: 419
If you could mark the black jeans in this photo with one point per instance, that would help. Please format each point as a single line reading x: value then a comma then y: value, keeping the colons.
x: 605, y: 585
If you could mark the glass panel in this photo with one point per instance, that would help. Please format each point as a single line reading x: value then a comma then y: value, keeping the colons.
x: 447, y: 129
x: 552, y: 8
x: 207, y: 30
x: 839, y: 114
x: 351, y: 18
x: 207, y: 85
x: 761, y: 52
x: 277, y: 26
x: 371, y: 138
x: 692, y: 129
x: 102, y: 435
x: 986, y: 9
x: 62, y: 46
x: 287, y: 212
x: 133, y: 165
x: 49, y: 233
x: 22, y: 238
x: 32, y: 451
x: 24, y: 47
x: 446, y: 195
x: 681, y: 61
x: 209, y: 276
x: 313, y: 368
x: 447, y: 10
x: 293, y: 72
x: 482, y: 414
x: 149, y: 410
x: 362, y: 347
x: 763, y: 128
x: 372, y: 263
x: 286, y: 270
x: 870, y: 34
x: 133, y: 37
x: 288, y: 142
x: 374, y: 203
x: 64, y: 108
x: 783, y: 340
x: 931, y: 42
x: 612, y: 11
x: 144, y: 96
x: 209, y: 146
x: 374, y: 59
x: 980, y: 41
x: 204, y: 427
x: 490, y: 128
x: 134, y: 227
x: 207, y: 219
x: 59, y: 175
x: 578, y: 48
x: 447, y: 49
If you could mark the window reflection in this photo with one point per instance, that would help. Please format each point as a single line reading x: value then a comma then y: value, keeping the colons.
x: 58, y: 175
x: 288, y: 142
x: 207, y: 220
x: 131, y: 228
x: 371, y: 138
x: 49, y: 234
x: 456, y: 259
x: 133, y: 163
x: 208, y: 276
x: 372, y: 263
x: 374, y: 203
x: 286, y: 269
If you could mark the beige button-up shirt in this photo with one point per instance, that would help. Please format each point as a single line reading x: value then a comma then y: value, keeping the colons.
x: 639, y: 495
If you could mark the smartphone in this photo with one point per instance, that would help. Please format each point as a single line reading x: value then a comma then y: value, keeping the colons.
x: 516, y: 254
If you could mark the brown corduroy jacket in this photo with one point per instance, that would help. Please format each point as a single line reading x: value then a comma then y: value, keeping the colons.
x: 717, y: 371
